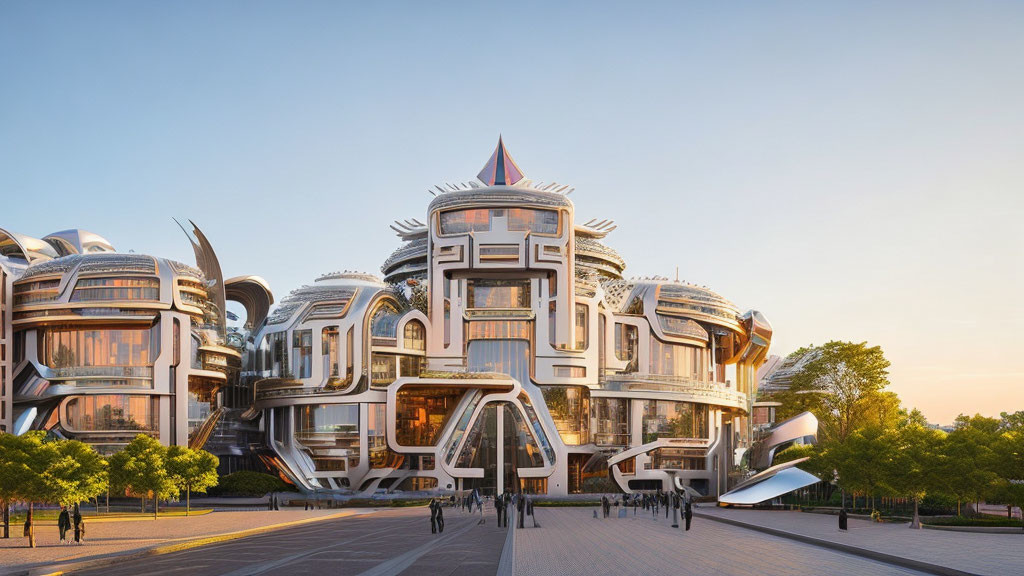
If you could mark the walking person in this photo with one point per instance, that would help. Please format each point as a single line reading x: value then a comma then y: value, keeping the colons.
x: 79, y: 525
x: 843, y: 520
x: 433, y: 516
x: 688, y: 514
x: 63, y: 524
x: 521, y: 509
x: 498, y: 505
x: 440, y: 517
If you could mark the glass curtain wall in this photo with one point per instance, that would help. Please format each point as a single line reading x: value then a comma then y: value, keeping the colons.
x: 510, y: 357
x: 112, y: 412
x: 670, y: 419
x: 64, y: 348
x: 570, y: 409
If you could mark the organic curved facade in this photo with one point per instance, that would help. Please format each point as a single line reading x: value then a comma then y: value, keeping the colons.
x: 503, y: 348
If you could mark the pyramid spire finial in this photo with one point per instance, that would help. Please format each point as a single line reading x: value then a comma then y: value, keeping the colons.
x: 501, y: 169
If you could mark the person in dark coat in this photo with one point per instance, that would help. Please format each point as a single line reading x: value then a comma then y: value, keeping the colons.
x: 63, y: 524
x: 842, y: 520
x: 688, y: 513
x: 605, y: 507
x: 440, y: 516
x: 433, y: 516
x: 79, y: 525
x: 499, y: 505
x: 521, y: 508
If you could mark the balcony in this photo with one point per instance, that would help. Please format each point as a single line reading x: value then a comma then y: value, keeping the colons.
x: 696, y: 390
x: 101, y: 372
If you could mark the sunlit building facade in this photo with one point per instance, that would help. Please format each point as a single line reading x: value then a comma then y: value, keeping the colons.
x: 101, y: 346
x: 502, y: 348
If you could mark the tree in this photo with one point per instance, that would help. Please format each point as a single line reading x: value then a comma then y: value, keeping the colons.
x: 864, y: 461
x: 1008, y: 450
x: 77, y: 473
x: 916, y: 464
x: 1011, y: 421
x: 969, y: 462
x: 140, y: 470
x: 839, y: 386
x: 23, y: 461
x: 191, y: 470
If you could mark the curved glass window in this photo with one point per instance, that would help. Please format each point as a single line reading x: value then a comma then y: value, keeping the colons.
x: 670, y: 419
x: 625, y: 344
x: 88, y: 289
x: 533, y: 220
x: 679, y: 360
x: 112, y: 412
x: 415, y: 335
x: 465, y: 221
x: 65, y: 348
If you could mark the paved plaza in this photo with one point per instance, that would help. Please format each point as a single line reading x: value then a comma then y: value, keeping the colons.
x: 976, y: 553
x: 569, y: 541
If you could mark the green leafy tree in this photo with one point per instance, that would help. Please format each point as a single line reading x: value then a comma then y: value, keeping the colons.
x: 76, y: 473
x: 1011, y: 420
x: 969, y: 466
x: 841, y: 387
x: 140, y: 470
x: 915, y: 468
x: 1008, y: 450
x: 191, y: 471
x: 24, y: 460
x: 864, y: 461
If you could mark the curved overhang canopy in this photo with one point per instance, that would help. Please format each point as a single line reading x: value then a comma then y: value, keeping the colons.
x: 77, y: 241
x: 771, y: 483
x: 27, y: 248
x: 253, y: 293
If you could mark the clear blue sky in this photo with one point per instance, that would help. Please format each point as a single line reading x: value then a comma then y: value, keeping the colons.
x: 852, y: 170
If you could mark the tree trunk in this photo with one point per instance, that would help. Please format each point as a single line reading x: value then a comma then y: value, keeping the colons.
x: 156, y: 506
x: 142, y: 507
x: 188, y: 500
x: 916, y: 523
x: 31, y: 528
x: 7, y: 520
x: 958, y: 507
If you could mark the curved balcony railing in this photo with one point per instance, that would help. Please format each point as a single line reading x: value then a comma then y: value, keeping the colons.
x: 201, y: 435
x: 713, y: 392
x: 80, y: 372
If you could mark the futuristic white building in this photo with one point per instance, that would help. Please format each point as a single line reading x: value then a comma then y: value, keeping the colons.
x: 503, y: 349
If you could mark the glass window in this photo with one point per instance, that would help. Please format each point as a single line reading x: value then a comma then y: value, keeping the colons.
x: 349, y: 352
x: 383, y: 369
x: 582, y: 327
x: 498, y: 293
x: 678, y: 360
x: 329, y: 351
x: 329, y: 427
x: 65, y: 348
x: 376, y: 438
x: 499, y: 330
x: 610, y: 421
x: 276, y: 359
x: 510, y: 357
x: 520, y: 447
x: 415, y: 335
x: 89, y: 289
x: 625, y: 344
x: 672, y: 458
x: 669, y: 419
x: 114, y: 412
x: 421, y: 412
x: 536, y: 221
x: 464, y: 221
x: 570, y: 409
x: 411, y: 365
x: 302, y: 352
